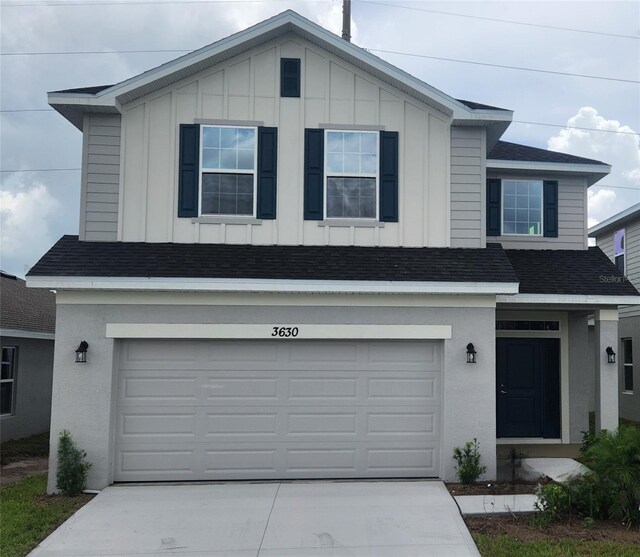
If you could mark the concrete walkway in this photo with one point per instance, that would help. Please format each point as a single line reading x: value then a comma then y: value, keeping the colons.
x: 314, y: 519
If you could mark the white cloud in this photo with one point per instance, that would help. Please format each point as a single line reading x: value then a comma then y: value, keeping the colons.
x: 620, y: 150
x: 25, y: 222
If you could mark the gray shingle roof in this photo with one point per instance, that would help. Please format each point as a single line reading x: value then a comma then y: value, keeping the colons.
x: 26, y: 309
x: 506, y: 151
x: 479, y: 106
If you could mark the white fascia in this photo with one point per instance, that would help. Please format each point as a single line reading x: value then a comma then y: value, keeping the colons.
x: 286, y: 21
x: 568, y: 299
x: 19, y: 333
x: 584, y: 168
x: 268, y: 285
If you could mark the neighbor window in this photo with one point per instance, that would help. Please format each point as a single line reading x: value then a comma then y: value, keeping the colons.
x: 228, y: 170
x: 351, y: 170
x: 522, y: 207
x: 618, y: 249
x: 627, y: 362
x: 7, y: 380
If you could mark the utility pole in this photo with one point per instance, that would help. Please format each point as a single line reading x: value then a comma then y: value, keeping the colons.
x: 346, y: 20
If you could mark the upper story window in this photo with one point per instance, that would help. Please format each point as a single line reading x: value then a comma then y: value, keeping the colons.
x: 228, y: 170
x: 7, y: 380
x: 619, y: 249
x: 351, y: 174
x: 522, y: 207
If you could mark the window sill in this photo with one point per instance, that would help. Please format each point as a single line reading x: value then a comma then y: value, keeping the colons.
x: 226, y: 220
x: 348, y: 223
x: 627, y: 393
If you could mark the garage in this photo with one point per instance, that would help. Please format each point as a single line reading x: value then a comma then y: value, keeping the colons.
x: 277, y: 409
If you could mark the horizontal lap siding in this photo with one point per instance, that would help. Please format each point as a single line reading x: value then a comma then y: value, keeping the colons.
x: 467, y: 187
x: 632, y: 253
x: 101, y: 178
x: 572, y: 216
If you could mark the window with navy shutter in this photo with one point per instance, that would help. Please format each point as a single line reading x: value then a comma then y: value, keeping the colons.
x: 550, y: 198
x: 351, y: 174
x: 494, y: 214
x: 290, y: 77
x: 227, y: 171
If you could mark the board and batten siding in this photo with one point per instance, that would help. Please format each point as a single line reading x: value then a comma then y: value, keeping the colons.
x: 246, y: 89
x: 100, y: 182
x: 468, y: 155
x: 572, y: 215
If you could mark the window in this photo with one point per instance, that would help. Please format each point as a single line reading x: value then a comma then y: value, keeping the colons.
x: 522, y: 207
x: 627, y: 364
x: 7, y: 380
x: 618, y: 250
x: 228, y: 170
x: 523, y: 325
x: 351, y: 174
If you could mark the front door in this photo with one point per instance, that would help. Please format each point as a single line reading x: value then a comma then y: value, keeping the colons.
x: 528, y: 387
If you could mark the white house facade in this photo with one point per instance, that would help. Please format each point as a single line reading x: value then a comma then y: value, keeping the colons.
x: 298, y: 261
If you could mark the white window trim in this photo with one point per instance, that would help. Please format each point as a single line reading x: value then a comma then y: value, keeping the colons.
x: 375, y: 175
x: 228, y: 171
x: 624, y: 249
x: 625, y: 365
x: 502, y: 232
x: 14, y: 364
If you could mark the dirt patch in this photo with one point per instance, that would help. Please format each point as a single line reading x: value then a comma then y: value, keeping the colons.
x: 14, y: 472
x: 520, y: 527
x: 496, y: 488
x: 53, y: 500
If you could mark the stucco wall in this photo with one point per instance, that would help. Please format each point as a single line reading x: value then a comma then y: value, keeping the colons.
x: 83, y: 393
x: 32, y: 407
x: 245, y: 88
x: 581, y: 376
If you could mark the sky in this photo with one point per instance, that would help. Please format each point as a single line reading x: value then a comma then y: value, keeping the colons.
x: 36, y: 208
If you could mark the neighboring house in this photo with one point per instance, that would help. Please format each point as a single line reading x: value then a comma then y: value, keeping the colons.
x: 619, y: 238
x: 290, y: 250
x: 27, y: 327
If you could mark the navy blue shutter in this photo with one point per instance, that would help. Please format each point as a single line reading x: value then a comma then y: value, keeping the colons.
x: 189, y: 170
x: 267, y: 172
x: 389, y: 176
x: 290, y: 77
x: 494, y: 198
x: 550, y: 203
x: 313, y: 174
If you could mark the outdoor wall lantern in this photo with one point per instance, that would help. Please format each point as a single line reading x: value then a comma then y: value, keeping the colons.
x: 471, y: 354
x: 81, y: 352
x: 611, y: 355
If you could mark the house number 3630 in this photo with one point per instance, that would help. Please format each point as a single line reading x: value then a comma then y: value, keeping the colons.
x: 284, y: 332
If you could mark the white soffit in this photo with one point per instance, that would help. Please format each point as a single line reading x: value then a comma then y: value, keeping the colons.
x: 568, y: 299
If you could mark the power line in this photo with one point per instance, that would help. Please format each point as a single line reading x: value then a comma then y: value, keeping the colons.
x: 504, y: 66
x: 615, y: 187
x: 137, y: 2
x: 557, y: 28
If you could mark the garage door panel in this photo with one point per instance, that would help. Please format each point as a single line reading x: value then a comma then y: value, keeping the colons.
x: 369, y: 409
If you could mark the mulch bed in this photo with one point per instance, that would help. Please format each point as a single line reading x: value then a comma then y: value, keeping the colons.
x: 520, y: 527
x: 496, y: 488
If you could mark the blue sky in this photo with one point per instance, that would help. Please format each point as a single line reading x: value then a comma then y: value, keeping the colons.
x: 37, y: 208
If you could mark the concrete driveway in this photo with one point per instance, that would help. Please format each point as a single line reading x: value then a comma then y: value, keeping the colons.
x: 319, y: 519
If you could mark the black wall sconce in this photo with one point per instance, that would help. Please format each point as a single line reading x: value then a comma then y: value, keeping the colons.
x: 611, y: 355
x: 81, y: 352
x: 471, y: 354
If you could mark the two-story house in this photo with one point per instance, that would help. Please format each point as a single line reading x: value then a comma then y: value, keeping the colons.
x: 619, y: 238
x: 297, y: 261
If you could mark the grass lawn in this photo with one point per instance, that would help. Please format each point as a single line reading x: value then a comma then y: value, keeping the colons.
x: 29, y: 515
x: 36, y: 446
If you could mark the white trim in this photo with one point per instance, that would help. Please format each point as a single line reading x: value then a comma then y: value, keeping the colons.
x: 599, y: 300
x: 516, y: 234
x: 549, y: 166
x: 207, y: 170
x: 18, y: 333
x: 528, y: 441
x: 304, y: 332
x: 266, y: 30
x: 271, y: 285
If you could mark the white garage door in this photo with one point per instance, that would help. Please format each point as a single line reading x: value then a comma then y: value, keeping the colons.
x: 204, y: 410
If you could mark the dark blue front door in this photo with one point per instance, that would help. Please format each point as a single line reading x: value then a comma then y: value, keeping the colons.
x: 528, y: 387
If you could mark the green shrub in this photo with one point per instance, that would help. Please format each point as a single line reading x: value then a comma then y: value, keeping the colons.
x: 611, y: 489
x: 72, y: 468
x: 469, y: 468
